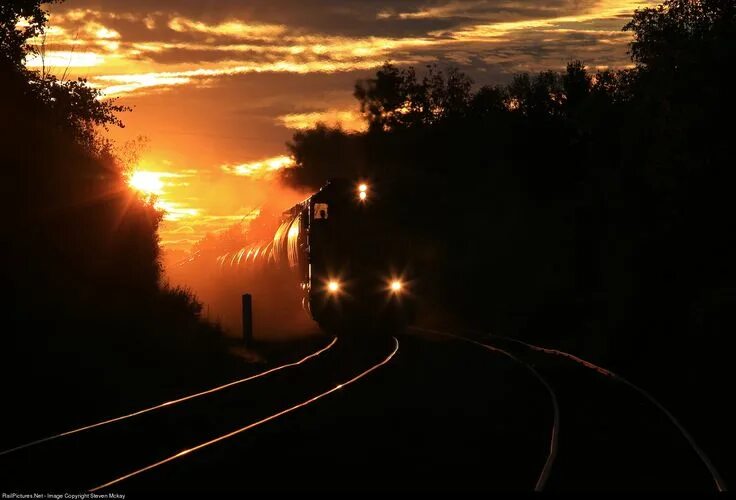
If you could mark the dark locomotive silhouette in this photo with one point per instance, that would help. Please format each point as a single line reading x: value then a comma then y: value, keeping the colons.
x: 341, y: 254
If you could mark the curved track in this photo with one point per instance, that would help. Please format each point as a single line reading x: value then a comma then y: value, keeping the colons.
x: 715, y: 475
x: 555, y: 430
x: 169, y: 403
x: 253, y: 425
x: 672, y: 457
x: 93, y: 455
x: 441, y: 415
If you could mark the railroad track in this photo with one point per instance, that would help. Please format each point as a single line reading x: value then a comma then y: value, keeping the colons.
x: 679, y: 463
x: 718, y: 482
x: 554, y: 427
x: 166, y: 404
x: 108, y: 453
x: 441, y: 415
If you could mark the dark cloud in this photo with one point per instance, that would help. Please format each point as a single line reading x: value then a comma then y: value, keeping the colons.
x: 189, y: 32
x: 209, y: 95
x: 196, y: 56
x: 344, y: 17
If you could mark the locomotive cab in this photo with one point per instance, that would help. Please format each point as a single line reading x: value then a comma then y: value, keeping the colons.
x: 357, y: 277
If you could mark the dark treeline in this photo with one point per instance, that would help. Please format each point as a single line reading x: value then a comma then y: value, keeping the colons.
x: 592, y: 211
x: 85, y: 312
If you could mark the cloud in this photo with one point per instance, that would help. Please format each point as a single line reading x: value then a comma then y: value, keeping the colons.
x: 260, y: 169
x: 489, y: 10
x: 124, y: 84
x: 220, y: 86
x: 233, y: 28
x: 181, y: 44
x: 176, y: 211
x: 346, y: 17
x: 348, y: 119
x: 605, y: 9
x: 65, y: 59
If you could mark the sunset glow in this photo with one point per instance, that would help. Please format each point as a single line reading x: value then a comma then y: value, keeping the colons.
x: 151, y: 185
x: 147, y: 183
x: 65, y: 59
x: 220, y: 91
x: 346, y: 119
x: 260, y: 168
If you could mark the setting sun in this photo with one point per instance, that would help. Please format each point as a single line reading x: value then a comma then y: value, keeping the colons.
x: 148, y: 183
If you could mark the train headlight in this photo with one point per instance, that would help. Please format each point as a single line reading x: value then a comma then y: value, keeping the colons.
x: 396, y: 286
x: 333, y: 286
x: 362, y: 191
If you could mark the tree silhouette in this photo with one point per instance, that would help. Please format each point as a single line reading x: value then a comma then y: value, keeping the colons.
x: 681, y: 34
x: 81, y: 254
x: 395, y: 98
x: 14, y: 34
x: 593, y: 209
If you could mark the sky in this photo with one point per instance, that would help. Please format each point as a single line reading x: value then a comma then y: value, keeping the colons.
x: 219, y: 86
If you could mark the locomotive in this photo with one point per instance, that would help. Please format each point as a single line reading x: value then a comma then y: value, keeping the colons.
x: 340, y: 255
x: 352, y: 264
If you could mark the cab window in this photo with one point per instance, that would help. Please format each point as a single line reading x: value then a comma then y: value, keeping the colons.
x: 320, y: 211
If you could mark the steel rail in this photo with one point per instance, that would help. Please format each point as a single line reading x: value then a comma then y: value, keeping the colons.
x: 169, y: 403
x: 554, y: 435
x: 249, y: 426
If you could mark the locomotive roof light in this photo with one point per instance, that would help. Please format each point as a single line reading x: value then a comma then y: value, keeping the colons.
x: 362, y: 191
x: 396, y: 286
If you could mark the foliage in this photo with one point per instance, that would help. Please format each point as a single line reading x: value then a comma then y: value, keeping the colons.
x: 82, y: 252
x: 76, y: 106
x: 396, y: 99
x: 587, y: 208
x: 20, y: 20
x: 680, y: 34
x: 71, y: 105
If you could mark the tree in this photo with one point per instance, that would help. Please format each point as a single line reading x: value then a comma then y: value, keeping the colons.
x: 77, y: 107
x: 680, y: 34
x: 538, y: 96
x: 383, y: 98
x: 20, y: 20
x: 322, y: 153
x: 449, y: 94
x: 682, y: 90
x: 576, y: 83
x: 69, y: 105
x: 489, y: 101
x: 396, y: 99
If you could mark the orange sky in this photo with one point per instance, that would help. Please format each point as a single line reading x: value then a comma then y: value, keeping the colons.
x: 219, y: 87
